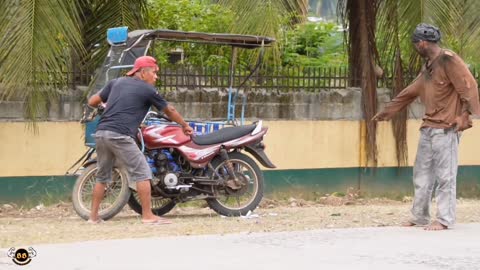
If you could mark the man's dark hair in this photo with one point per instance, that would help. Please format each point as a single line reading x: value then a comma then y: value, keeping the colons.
x: 426, y: 32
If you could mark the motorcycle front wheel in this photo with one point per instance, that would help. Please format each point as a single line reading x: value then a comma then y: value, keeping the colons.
x: 117, y: 193
x: 237, y: 197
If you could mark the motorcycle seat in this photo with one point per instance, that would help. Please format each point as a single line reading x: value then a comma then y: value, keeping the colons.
x: 223, y: 135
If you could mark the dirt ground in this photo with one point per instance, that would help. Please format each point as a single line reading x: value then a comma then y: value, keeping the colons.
x: 59, y: 223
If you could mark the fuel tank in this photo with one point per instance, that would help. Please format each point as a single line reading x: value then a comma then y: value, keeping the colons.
x: 161, y: 136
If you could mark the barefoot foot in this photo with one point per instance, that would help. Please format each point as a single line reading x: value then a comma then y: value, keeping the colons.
x: 436, y: 226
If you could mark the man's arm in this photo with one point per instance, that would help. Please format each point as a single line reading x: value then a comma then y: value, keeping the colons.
x: 94, y: 101
x: 161, y: 104
x: 101, y: 96
x: 172, y: 113
x: 405, y: 97
x: 463, y: 82
x: 466, y: 86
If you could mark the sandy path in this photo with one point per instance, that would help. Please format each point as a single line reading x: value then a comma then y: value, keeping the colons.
x: 59, y: 224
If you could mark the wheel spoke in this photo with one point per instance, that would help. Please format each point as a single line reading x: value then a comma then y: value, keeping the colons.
x: 111, y: 195
x: 226, y: 199
x: 238, y: 201
x: 244, y: 195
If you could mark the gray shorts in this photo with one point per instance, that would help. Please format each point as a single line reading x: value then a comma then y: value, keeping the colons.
x: 121, y: 150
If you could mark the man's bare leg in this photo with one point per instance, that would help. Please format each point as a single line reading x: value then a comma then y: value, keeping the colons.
x: 98, y: 193
x: 144, y: 191
x: 436, y: 226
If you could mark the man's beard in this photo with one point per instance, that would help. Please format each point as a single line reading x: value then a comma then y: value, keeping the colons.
x: 422, y: 52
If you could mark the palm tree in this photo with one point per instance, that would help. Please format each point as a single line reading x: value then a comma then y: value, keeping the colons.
x: 34, y: 35
x: 99, y: 15
x: 266, y: 18
x: 39, y: 40
x: 359, y: 17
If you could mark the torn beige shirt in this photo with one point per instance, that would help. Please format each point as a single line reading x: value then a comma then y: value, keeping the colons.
x: 446, y: 88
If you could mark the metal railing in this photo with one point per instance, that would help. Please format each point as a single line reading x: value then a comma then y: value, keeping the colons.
x: 281, y: 78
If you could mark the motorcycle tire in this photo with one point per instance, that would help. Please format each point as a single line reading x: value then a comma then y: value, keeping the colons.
x: 113, y: 204
x: 219, y: 207
x: 159, y: 208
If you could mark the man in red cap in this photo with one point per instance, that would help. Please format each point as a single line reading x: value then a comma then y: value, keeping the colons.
x: 129, y: 99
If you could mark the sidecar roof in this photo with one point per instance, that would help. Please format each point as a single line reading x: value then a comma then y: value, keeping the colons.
x: 244, y: 41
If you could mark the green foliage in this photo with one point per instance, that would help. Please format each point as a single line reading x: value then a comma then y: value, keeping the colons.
x: 190, y: 15
x: 33, y: 39
x: 265, y: 18
x: 187, y: 15
x: 98, y: 16
x: 314, y: 44
x: 458, y: 21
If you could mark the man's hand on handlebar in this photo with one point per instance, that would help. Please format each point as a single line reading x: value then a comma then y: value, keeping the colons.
x: 101, y: 107
x: 188, y: 130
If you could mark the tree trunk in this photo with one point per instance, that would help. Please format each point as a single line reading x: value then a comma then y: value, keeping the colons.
x: 361, y: 16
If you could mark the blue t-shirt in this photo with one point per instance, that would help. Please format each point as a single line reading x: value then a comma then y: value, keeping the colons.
x: 128, y: 101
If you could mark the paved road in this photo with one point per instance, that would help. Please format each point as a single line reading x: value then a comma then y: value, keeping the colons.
x: 364, y: 248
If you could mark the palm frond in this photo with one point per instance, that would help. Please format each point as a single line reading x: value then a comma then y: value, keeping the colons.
x: 34, y: 50
x: 450, y: 16
x: 390, y: 44
x: 266, y: 18
x: 104, y: 14
x: 462, y: 34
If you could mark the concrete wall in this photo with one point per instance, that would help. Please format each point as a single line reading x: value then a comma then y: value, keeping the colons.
x: 290, y: 145
x: 307, y: 130
x: 336, y: 104
x: 50, y: 151
x: 314, y: 139
x: 67, y: 107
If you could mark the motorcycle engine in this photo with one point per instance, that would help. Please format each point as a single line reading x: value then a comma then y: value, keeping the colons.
x: 170, y: 180
x: 168, y: 171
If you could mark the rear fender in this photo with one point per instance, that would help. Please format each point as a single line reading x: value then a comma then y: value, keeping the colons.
x: 257, y: 152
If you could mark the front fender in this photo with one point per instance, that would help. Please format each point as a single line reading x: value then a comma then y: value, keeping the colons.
x: 257, y: 152
x: 89, y: 162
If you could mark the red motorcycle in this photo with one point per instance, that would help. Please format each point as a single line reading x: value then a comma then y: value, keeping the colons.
x: 211, y: 167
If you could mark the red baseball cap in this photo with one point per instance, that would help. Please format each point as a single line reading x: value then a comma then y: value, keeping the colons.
x: 143, y: 62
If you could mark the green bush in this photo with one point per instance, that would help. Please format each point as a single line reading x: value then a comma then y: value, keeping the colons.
x: 314, y: 45
x: 190, y: 15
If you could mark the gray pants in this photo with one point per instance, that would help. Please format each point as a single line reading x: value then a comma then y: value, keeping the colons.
x: 114, y: 148
x: 437, y: 161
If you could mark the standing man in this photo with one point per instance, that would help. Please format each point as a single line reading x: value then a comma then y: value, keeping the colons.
x: 450, y: 95
x: 129, y: 99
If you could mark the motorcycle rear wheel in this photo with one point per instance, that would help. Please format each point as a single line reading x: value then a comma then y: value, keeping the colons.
x: 116, y: 195
x: 160, y: 205
x: 236, y: 202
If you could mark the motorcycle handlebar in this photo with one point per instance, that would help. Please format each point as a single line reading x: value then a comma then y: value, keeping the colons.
x: 154, y: 114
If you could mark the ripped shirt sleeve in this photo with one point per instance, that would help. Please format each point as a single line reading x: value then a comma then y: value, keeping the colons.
x: 405, y: 97
x: 464, y: 84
